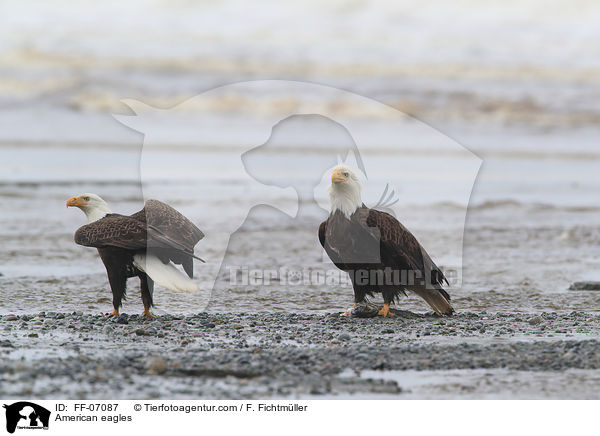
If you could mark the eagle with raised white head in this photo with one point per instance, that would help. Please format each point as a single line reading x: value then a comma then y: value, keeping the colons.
x: 376, y: 250
x: 146, y: 244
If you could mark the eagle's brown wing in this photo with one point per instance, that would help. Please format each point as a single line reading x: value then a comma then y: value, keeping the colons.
x: 322, y: 231
x: 402, y: 245
x: 162, y: 217
x: 122, y: 231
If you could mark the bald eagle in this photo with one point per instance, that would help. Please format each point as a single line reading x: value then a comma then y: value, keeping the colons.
x: 378, y: 253
x: 145, y: 245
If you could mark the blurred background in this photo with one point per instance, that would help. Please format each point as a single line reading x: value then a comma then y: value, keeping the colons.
x: 517, y: 83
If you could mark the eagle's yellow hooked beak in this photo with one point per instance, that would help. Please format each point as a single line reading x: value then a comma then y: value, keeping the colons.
x: 75, y: 202
x: 338, y: 177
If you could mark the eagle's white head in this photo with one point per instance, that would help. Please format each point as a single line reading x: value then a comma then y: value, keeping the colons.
x: 92, y: 205
x: 344, y: 191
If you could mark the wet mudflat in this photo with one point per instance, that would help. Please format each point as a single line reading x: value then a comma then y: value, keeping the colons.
x: 288, y: 355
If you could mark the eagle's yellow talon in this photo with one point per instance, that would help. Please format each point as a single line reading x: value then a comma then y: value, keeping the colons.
x: 115, y: 312
x: 148, y: 314
x: 385, y: 311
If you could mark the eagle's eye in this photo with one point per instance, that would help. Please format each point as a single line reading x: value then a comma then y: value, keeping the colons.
x: 345, y: 174
x: 86, y: 198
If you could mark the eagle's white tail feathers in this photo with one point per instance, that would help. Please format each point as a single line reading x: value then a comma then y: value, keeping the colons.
x: 435, y: 299
x: 165, y: 275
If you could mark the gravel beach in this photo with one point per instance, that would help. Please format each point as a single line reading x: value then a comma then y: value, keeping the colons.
x: 287, y: 355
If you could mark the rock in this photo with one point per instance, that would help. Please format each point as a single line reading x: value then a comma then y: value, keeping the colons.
x: 585, y: 286
x: 344, y: 337
x: 150, y: 331
x: 10, y: 317
x: 535, y: 320
x: 364, y: 310
x: 157, y: 365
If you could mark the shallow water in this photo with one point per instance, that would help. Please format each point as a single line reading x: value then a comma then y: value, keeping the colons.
x: 490, y: 384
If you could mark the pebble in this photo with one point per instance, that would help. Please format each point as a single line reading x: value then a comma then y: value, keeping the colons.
x: 585, y: 286
x: 535, y: 320
x: 157, y: 365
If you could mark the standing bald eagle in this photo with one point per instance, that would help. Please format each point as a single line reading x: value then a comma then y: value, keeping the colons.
x: 378, y: 252
x: 140, y: 245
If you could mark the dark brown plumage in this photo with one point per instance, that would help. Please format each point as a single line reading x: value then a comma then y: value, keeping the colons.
x: 375, y: 244
x: 156, y: 230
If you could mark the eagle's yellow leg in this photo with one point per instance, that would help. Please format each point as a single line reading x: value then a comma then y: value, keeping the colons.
x: 115, y: 312
x: 354, y: 306
x: 147, y: 314
x: 385, y: 311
